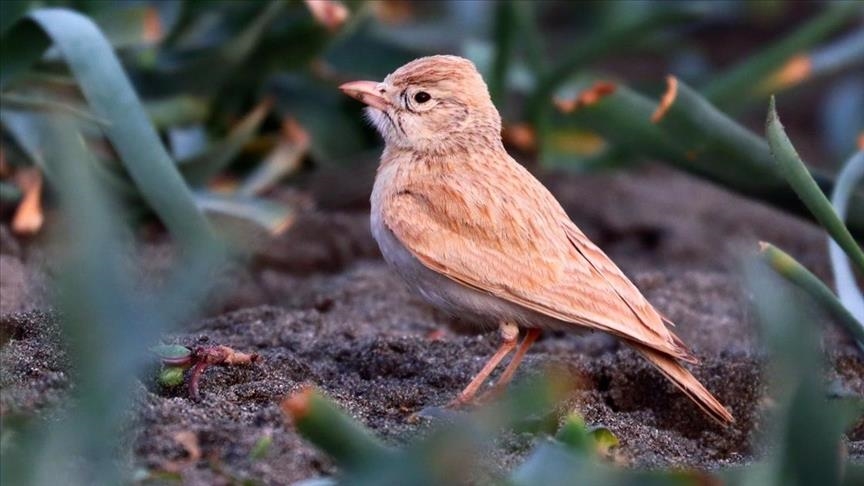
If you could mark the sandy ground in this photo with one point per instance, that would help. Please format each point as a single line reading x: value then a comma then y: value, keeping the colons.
x: 321, y: 307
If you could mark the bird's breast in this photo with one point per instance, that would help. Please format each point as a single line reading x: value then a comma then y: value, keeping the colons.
x: 468, y: 304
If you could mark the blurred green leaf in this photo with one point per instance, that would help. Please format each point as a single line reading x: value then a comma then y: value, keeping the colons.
x: 601, y: 44
x: 103, y: 326
x: 735, y: 86
x: 798, y: 176
x: 793, y: 271
x: 177, y: 110
x: 574, y: 434
x: 129, y: 25
x: 111, y: 97
x: 807, y: 429
x: 530, y: 36
x: 171, y: 376
x: 9, y: 193
x: 23, y: 102
x: 361, y: 52
x: 261, y: 448
x: 337, y: 132
x: 200, y: 168
x: 551, y: 464
x: 693, y: 135
x: 11, y: 11
x: 273, y: 217
x: 283, y: 160
x: 604, y: 440
x: 181, y: 71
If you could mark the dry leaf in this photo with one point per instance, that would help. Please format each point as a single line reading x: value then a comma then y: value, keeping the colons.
x: 796, y: 69
x: 667, y: 100
x: 29, y: 217
x: 592, y: 95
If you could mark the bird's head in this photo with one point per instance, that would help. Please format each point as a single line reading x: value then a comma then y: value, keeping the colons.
x: 433, y: 104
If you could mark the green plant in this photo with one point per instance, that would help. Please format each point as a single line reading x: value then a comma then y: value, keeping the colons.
x: 795, y: 171
x: 688, y: 132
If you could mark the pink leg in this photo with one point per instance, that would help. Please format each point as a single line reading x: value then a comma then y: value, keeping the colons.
x: 509, y: 335
x: 507, y: 376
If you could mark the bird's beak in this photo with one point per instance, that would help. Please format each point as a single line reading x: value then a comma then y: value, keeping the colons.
x: 365, y: 92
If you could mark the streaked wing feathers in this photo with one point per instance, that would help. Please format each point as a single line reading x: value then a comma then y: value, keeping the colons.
x: 515, y: 241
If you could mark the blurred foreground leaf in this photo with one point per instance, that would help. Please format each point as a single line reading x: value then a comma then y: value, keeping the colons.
x: 793, y: 271
x: 111, y: 97
x: 807, y: 428
x: 107, y: 322
x: 741, y: 83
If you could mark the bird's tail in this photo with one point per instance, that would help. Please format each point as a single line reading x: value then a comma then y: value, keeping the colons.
x: 687, y: 383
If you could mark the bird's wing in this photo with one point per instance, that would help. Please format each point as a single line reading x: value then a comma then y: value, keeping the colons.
x: 509, y: 237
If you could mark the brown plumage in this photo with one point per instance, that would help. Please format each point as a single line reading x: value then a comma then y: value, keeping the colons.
x: 476, y: 234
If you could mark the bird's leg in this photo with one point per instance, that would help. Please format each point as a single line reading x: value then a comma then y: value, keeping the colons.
x: 509, y: 335
x: 507, y: 376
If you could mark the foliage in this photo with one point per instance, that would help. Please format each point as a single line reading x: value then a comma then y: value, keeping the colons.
x: 846, y: 311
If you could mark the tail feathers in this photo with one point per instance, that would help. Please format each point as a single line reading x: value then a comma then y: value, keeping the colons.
x: 687, y: 383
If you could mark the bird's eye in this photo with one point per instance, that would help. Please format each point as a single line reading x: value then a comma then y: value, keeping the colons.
x: 422, y: 97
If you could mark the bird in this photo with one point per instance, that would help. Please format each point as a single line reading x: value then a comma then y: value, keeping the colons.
x: 478, y: 236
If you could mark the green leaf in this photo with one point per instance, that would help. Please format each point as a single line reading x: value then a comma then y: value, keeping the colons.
x: 33, y: 103
x: 575, y: 435
x: 271, y: 216
x: 9, y: 193
x: 552, y: 464
x: 261, y: 448
x: 171, y: 376
x: 790, y: 269
x: 200, y: 168
x: 596, y: 47
x: 20, y: 48
x: 129, y: 26
x: 167, y: 351
x: 806, y: 429
x: 604, y: 440
x: 111, y: 97
x: 337, y: 132
x: 284, y: 159
x: 11, y: 11
x: 695, y: 136
x: 735, y: 86
x: 177, y: 110
x: 318, y: 420
x: 796, y: 173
